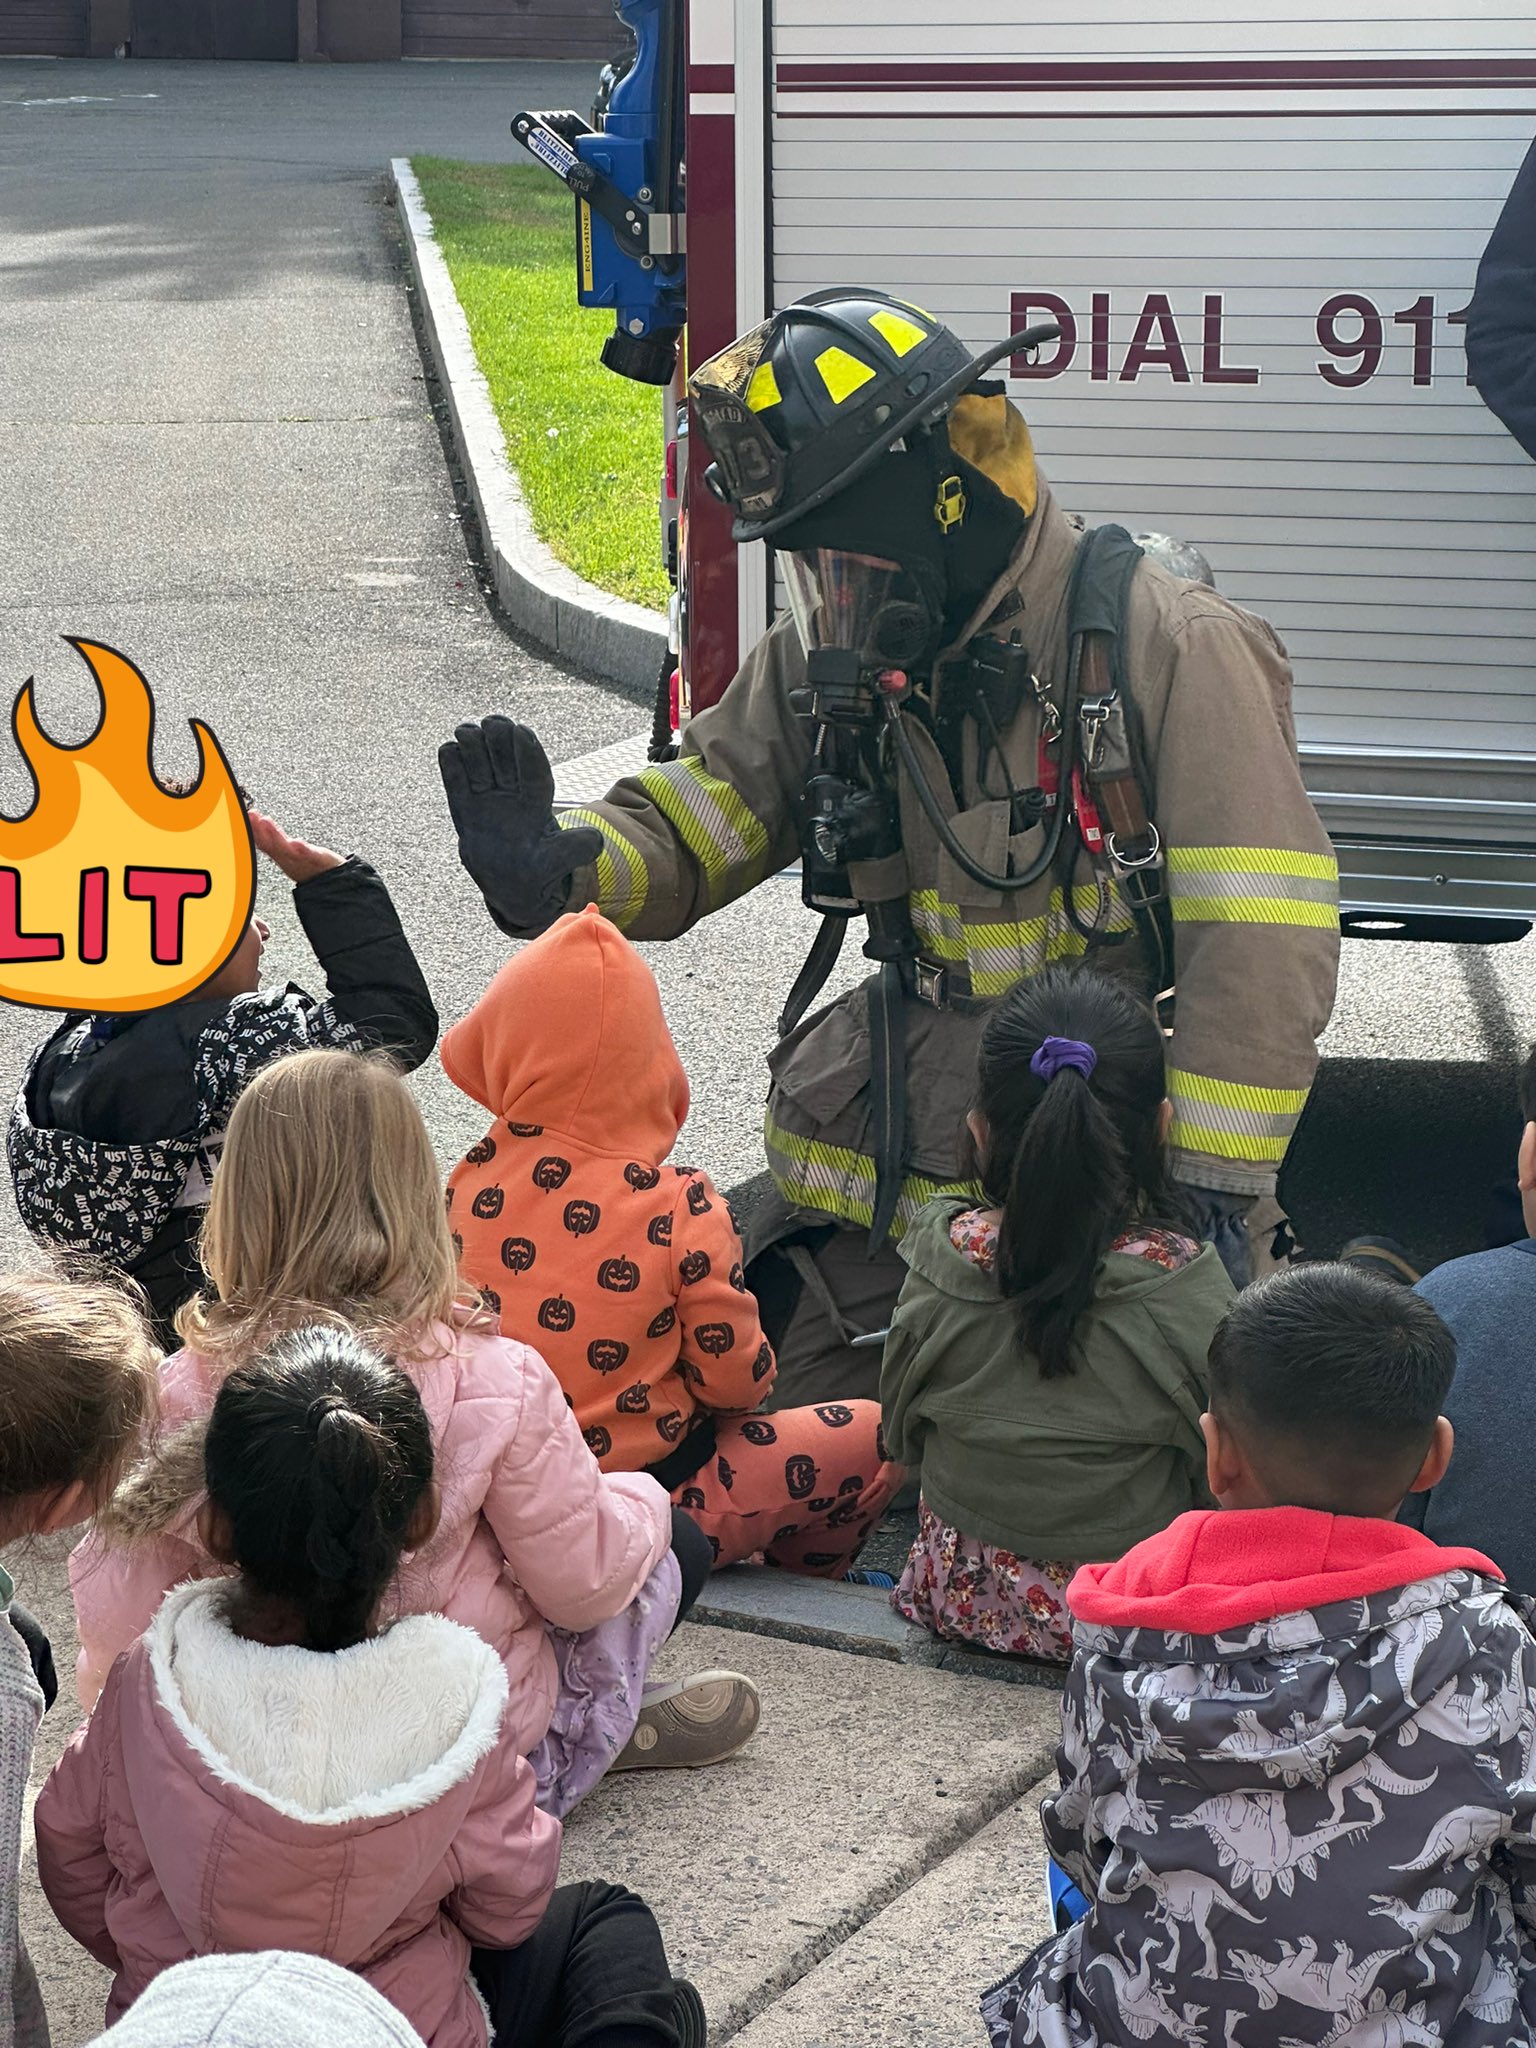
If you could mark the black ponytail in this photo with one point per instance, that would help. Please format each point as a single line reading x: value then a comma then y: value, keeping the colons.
x: 319, y: 1451
x: 1071, y: 1159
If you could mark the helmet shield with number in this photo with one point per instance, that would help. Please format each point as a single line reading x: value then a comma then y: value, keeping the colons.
x: 805, y: 404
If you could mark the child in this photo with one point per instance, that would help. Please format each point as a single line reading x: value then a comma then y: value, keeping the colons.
x: 77, y: 1384
x: 272, y: 1999
x: 270, y: 1766
x: 1045, y: 1369
x: 626, y: 1273
x: 1295, y: 1768
x: 118, y: 1124
x: 328, y: 1205
x: 1488, y: 1302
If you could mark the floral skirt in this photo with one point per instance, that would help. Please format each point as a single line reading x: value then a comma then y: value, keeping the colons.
x: 975, y: 1592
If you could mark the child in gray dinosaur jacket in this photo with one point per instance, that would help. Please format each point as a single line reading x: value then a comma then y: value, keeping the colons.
x: 1298, y: 1763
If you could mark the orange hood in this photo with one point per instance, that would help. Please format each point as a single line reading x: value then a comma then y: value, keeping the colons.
x: 570, y: 1035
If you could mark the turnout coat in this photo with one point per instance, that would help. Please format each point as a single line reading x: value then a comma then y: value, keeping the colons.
x: 1298, y: 1781
x: 1253, y: 880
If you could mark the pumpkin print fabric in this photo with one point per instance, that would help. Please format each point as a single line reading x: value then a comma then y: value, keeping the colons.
x: 642, y: 1326
x: 801, y: 1488
x: 625, y: 1273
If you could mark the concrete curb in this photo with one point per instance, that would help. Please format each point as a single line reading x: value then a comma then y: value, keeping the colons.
x: 856, y: 1619
x: 551, y: 603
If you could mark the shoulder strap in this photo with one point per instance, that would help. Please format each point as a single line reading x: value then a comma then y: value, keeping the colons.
x: 1113, y: 744
x: 1101, y: 587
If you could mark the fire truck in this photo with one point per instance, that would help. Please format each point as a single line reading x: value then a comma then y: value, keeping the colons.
x: 1256, y: 225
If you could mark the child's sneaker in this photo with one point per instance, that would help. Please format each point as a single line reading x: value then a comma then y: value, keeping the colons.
x: 692, y: 1722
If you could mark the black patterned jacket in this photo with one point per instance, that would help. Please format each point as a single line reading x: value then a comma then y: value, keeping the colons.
x: 1314, y: 1829
x: 118, y: 1124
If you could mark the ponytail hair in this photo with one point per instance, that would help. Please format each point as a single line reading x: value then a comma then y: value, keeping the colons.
x: 1071, y: 1157
x: 318, y: 1451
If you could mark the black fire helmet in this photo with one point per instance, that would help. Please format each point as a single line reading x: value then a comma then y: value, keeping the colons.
x: 804, y: 404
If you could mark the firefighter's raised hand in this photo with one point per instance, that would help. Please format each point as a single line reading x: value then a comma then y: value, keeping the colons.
x: 501, y: 792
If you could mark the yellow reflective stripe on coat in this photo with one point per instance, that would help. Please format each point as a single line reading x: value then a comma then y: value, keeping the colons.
x: 1252, y: 885
x: 713, y: 822
x: 1230, y: 1119
x: 835, y: 1181
x: 622, y: 880
x: 999, y: 954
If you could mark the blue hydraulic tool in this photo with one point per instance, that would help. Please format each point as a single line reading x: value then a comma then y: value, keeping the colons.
x: 627, y: 175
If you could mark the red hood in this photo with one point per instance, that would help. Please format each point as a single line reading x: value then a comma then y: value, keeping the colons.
x: 1217, y: 1569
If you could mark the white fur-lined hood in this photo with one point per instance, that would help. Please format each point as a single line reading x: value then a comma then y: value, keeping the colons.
x: 385, y: 1728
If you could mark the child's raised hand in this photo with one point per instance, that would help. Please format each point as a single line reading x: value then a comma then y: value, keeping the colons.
x: 299, y: 861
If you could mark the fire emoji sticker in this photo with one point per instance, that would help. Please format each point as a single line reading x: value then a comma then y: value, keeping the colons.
x: 115, y: 894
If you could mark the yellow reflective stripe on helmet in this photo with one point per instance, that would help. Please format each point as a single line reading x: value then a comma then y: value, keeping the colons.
x: 842, y: 373
x: 901, y: 336
x: 835, y: 1181
x: 763, y: 390
x: 622, y: 880
x: 713, y: 822
x: 1231, y: 1119
x: 1252, y: 885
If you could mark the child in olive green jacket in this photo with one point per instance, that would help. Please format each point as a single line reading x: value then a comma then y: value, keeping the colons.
x: 1045, y: 1371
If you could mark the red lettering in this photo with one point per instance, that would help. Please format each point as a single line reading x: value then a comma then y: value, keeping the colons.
x: 1023, y: 308
x: 1212, y: 369
x: 1364, y: 351
x: 1168, y: 352
x: 168, y: 890
x: 1420, y: 316
x: 1459, y: 319
x: 15, y: 944
x: 93, y: 916
x: 1099, y: 339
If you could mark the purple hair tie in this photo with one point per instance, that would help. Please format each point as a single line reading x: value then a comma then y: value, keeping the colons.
x: 1057, y: 1053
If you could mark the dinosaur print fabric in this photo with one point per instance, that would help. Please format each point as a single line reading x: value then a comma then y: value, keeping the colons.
x: 1316, y: 1828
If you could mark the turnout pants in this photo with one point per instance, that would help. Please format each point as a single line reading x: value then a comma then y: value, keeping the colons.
x: 817, y: 1288
x: 803, y: 1485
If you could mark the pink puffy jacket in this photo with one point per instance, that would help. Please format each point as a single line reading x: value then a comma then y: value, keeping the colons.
x: 531, y: 1531
x: 364, y: 1806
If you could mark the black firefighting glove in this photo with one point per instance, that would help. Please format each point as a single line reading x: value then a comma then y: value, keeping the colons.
x: 501, y: 792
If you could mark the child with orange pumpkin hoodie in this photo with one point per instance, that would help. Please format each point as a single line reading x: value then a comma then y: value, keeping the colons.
x: 626, y: 1273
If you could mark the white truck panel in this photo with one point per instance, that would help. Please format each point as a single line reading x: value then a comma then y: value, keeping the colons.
x: 1261, y: 223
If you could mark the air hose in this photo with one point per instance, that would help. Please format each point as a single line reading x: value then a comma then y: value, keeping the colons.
x: 923, y: 790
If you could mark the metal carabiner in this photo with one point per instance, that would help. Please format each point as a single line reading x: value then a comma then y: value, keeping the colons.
x: 1092, y: 717
x: 1146, y: 860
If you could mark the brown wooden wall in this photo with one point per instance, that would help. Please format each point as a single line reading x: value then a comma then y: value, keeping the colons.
x: 42, y: 28
x: 510, y: 28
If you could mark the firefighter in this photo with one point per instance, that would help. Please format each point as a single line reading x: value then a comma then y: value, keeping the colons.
x: 1501, y: 320
x: 918, y: 727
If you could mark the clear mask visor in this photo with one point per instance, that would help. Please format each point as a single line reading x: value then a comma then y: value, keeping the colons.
x: 862, y: 603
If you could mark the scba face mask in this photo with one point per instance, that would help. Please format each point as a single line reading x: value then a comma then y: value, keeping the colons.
x: 861, y: 605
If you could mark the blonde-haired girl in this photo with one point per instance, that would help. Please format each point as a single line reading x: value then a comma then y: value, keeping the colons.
x: 328, y: 1206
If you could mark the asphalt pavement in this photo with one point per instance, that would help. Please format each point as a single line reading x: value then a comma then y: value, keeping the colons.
x: 220, y: 456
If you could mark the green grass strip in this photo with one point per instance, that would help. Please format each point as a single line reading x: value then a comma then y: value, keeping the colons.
x: 587, y: 445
